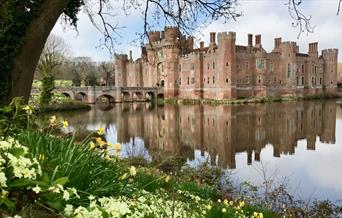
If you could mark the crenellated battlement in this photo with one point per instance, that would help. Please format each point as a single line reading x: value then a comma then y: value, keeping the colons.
x: 330, y: 51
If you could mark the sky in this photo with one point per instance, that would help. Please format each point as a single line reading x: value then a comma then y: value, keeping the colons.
x: 270, y: 18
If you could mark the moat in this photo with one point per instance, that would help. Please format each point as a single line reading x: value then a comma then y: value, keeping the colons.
x: 300, y: 141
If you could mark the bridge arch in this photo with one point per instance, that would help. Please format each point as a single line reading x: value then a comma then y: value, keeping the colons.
x: 126, y: 96
x: 105, y: 99
x: 150, y: 96
x: 81, y: 96
x: 160, y: 95
x: 66, y: 94
x: 138, y: 96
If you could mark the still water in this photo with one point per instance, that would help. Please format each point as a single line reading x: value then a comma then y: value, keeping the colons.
x: 299, y: 141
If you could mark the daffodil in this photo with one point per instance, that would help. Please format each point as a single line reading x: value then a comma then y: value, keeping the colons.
x: 209, y: 207
x: 91, y: 145
x: 100, y: 131
x: 219, y: 200
x: 242, y: 203
x: 167, y: 178
x: 224, y: 210
x: 110, y: 144
x: 28, y: 109
x: 100, y: 142
x: 117, y: 146
x: 225, y: 201
x: 132, y: 171
x: 4, y: 193
x: 65, y: 124
x: 41, y: 157
x: 124, y: 176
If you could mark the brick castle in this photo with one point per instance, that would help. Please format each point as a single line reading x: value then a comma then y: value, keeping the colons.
x: 225, y: 70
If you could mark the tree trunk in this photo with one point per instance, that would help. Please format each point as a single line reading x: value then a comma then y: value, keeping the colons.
x: 26, y: 60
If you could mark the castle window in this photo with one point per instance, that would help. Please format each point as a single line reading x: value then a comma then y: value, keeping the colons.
x: 227, y: 64
x: 247, y: 65
x: 320, y: 81
x: 213, y: 65
x: 297, y: 81
x: 302, y: 80
x: 260, y: 63
x: 188, y: 82
x: 312, y: 81
x: 208, y: 66
x: 315, y: 69
x: 180, y: 81
x: 297, y: 70
x: 208, y: 80
x: 331, y: 82
x: 192, y: 80
x: 192, y: 67
x: 271, y: 66
x: 227, y: 80
x: 213, y: 80
x: 302, y: 68
x: 180, y: 67
x: 288, y: 70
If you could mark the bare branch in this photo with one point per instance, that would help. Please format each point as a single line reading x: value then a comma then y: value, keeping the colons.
x: 339, y: 7
x: 300, y: 20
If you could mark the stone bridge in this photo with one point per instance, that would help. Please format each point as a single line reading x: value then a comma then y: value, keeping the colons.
x: 93, y: 94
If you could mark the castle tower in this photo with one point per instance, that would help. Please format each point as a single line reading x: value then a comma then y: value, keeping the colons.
x: 121, y: 61
x: 227, y: 68
x: 288, y: 77
x: 330, y: 70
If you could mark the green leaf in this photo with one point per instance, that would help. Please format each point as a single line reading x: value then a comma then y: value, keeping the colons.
x: 60, y: 181
x: 10, y: 204
x: 56, y: 205
x: 20, y: 183
x: 17, y: 152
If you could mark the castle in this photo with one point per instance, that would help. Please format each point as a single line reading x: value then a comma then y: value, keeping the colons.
x: 225, y: 70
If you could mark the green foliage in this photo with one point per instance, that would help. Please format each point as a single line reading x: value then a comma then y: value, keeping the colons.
x: 90, y: 79
x: 14, y: 118
x: 47, y: 86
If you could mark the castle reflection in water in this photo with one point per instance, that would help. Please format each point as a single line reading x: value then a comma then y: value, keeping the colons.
x: 223, y: 130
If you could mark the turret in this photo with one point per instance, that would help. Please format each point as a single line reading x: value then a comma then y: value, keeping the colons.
x: 212, y: 39
x: 120, y: 70
x: 171, y: 33
x: 330, y: 57
x: 154, y: 36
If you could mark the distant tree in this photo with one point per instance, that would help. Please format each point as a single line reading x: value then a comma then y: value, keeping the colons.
x: 52, y: 56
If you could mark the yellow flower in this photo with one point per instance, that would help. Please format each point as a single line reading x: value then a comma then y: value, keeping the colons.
x: 242, y: 203
x: 124, y: 176
x: 224, y: 210
x: 4, y: 193
x: 117, y: 146
x: 91, y: 145
x: 100, y: 131
x: 261, y: 215
x: 52, y: 120
x: 225, y: 201
x: 167, y: 178
x: 132, y: 171
x: 100, y: 142
x: 209, y: 207
x: 41, y: 157
x: 231, y: 203
x: 219, y: 200
x: 110, y: 144
x: 65, y: 123
x: 28, y: 109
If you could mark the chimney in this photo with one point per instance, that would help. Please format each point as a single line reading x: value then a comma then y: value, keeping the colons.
x: 313, y: 48
x: 212, y: 38
x: 258, y: 39
x: 201, y: 44
x: 277, y: 42
x: 162, y: 34
x: 130, y: 55
x: 250, y: 40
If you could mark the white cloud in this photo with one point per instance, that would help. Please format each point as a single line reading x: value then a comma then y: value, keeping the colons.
x: 269, y: 18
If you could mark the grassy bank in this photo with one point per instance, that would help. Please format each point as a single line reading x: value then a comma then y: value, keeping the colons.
x: 62, y: 106
x: 246, y: 100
